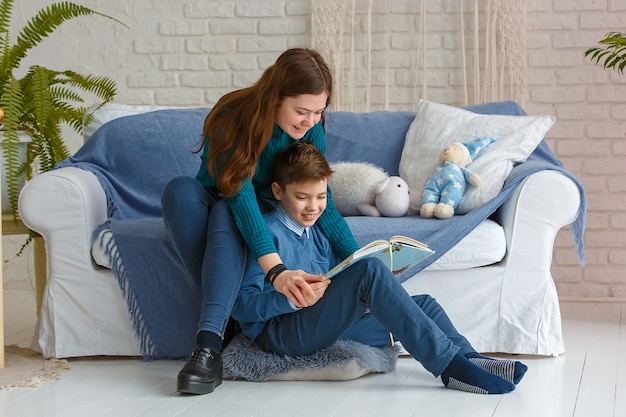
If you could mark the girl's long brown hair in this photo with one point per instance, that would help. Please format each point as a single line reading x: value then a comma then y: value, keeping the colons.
x: 241, y: 123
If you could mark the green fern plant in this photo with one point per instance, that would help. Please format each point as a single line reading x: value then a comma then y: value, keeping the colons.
x: 43, y: 100
x: 611, y: 52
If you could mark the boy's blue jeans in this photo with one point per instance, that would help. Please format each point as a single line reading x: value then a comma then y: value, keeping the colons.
x: 210, y: 245
x: 419, y: 322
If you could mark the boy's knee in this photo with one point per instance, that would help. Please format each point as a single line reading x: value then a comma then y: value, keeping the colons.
x: 375, y: 265
x: 424, y: 299
x: 372, y: 270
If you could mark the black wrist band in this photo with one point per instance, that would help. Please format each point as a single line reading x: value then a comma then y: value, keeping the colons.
x: 273, y: 278
x: 274, y: 272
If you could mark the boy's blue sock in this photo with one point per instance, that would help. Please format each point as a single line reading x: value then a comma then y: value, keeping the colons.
x: 512, y: 371
x: 463, y: 375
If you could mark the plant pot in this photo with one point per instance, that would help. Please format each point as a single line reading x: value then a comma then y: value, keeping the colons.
x: 24, y: 140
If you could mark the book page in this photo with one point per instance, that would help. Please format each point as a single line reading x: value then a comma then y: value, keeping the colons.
x: 399, y: 254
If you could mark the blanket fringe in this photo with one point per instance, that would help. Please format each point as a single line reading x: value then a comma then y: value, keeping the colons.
x: 107, y: 243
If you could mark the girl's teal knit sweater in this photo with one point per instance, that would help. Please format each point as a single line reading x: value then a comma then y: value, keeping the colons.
x: 246, y: 209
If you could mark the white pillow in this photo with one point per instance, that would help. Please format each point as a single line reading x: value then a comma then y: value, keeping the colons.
x: 437, y: 125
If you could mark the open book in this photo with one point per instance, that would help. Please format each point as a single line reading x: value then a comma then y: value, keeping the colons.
x: 399, y: 253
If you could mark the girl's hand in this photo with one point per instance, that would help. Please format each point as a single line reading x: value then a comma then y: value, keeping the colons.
x: 303, y: 289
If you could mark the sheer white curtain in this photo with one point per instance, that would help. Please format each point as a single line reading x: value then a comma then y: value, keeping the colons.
x: 388, y: 55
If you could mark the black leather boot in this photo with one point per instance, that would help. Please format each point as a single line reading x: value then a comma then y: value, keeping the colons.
x: 202, y: 373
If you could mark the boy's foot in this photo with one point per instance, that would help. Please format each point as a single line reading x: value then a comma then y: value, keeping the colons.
x: 202, y: 373
x: 463, y: 375
x: 512, y: 371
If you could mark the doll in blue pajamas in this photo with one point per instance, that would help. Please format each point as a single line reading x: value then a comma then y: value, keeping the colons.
x: 444, y: 188
x: 363, y: 303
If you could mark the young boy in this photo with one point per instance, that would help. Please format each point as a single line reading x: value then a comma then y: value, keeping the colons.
x: 363, y: 303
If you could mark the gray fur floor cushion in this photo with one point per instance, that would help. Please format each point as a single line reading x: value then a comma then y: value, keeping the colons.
x: 342, y: 361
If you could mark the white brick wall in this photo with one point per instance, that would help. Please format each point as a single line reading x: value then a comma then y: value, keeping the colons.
x: 588, y: 135
x: 191, y: 52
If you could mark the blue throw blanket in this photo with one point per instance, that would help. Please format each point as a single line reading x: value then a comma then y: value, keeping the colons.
x: 134, y: 157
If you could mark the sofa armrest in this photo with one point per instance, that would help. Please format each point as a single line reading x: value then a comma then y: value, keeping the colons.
x: 542, y: 204
x: 64, y: 206
x: 531, y: 217
x: 83, y: 310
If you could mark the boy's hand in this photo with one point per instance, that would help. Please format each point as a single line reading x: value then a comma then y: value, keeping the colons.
x: 319, y: 288
x: 303, y: 289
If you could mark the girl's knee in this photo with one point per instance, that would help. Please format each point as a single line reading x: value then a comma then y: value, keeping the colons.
x: 221, y: 210
x: 186, y: 194
x: 221, y: 219
x: 182, y: 189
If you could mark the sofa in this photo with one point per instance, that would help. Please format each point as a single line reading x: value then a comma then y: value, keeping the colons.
x: 494, y: 280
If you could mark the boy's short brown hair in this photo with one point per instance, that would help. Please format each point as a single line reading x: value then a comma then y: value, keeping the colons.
x: 301, y: 161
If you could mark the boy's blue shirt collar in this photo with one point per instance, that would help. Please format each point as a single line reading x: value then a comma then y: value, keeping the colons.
x: 290, y: 223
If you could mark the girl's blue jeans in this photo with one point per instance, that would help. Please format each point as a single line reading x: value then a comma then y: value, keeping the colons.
x: 210, y: 245
x: 419, y: 322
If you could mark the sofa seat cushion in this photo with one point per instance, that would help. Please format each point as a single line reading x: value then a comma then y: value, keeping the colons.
x: 485, y: 245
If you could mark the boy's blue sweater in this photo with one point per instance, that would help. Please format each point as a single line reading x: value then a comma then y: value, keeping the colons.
x: 308, y: 250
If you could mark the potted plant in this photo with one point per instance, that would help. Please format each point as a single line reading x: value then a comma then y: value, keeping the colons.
x: 40, y: 102
x: 611, y: 52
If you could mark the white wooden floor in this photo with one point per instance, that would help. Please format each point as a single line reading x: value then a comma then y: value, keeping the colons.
x: 589, y: 380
